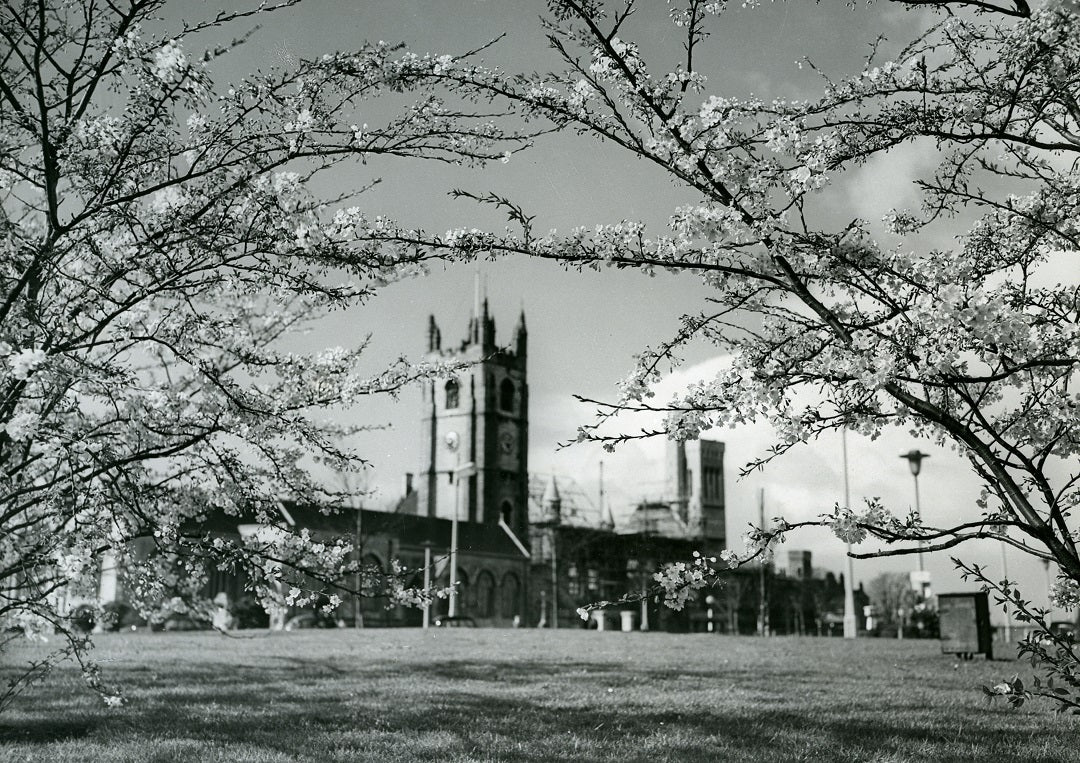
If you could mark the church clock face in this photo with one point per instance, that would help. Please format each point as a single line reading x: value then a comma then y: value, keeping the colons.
x: 508, y: 441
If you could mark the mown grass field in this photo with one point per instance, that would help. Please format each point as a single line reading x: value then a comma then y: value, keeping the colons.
x: 460, y: 695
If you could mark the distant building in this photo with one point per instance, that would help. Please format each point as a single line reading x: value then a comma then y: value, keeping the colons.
x: 532, y: 548
x: 799, y: 565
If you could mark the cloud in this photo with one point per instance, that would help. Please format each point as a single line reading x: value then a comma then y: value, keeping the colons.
x: 887, y: 180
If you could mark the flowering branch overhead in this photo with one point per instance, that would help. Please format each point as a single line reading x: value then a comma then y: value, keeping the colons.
x: 159, y: 242
x: 958, y: 320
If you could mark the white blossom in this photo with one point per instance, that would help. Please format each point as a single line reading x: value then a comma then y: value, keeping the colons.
x: 22, y: 426
x: 25, y: 362
x: 170, y: 63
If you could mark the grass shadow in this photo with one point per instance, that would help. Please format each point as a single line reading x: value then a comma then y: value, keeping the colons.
x: 43, y: 731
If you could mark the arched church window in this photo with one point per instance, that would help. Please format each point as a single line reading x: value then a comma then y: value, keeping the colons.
x: 464, y: 593
x: 452, y: 394
x: 484, y: 591
x: 511, y: 595
x: 506, y: 395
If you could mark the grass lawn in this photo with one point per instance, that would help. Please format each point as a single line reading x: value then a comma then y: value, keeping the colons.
x: 458, y: 695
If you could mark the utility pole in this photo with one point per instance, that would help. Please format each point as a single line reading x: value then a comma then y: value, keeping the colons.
x: 763, y: 607
x: 554, y: 582
x: 427, y: 582
x: 851, y: 628
x: 601, y: 504
x: 451, y: 609
x: 460, y: 470
x: 1008, y: 616
x: 915, y: 458
x: 358, y: 621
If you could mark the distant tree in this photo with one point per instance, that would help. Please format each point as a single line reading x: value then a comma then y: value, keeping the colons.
x: 857, y: 324
x: 158, y: 240
x: 890, y: 592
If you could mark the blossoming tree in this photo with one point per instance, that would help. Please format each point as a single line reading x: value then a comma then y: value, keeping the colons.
x: 157, y: 244
x: 854, y: 324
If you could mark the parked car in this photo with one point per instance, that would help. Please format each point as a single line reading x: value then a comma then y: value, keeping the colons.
x: 1064, y: 628
x: 458, y: 621
x: 311, y: 620
x: 184, y: 621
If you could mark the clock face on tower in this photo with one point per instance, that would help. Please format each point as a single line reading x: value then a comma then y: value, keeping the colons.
x: 508, y: 441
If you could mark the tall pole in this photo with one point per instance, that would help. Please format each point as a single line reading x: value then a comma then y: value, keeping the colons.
x: 851, y: 628
x: 644, y: 602
x: 601, y: 490
x: 460, y: 470
x: 915, y: 458
x: 1049, y: 587
x: 452, y: 609
x: 763, y: 608
x: 554, y: 583
x: 358, y: 619
x: 427, y: 582
x: 1008, y: 616
x: 918, y: 512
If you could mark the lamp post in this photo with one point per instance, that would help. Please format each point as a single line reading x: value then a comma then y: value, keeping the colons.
x: 427, y: 582
x: 1008, y: 616
x: 914, y: 458
x: 1049, y: 586
x: 851, y: 627
x: 460, y: 470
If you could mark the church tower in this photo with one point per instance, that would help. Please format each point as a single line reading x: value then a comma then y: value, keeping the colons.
x: 479, y: 415
x: 695, y: 489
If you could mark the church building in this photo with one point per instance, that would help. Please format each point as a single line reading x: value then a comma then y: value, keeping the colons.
x: 474, y: 465
x: 530, y: 550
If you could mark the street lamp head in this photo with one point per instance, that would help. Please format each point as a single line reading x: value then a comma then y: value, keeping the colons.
x: 914, y: 458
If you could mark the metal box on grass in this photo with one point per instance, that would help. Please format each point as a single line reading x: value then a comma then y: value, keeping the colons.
x: 965, y: 624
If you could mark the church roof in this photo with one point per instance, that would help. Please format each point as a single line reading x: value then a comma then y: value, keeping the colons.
x: 551, y: 492
x: 409, y: 530
x: 577, y: 508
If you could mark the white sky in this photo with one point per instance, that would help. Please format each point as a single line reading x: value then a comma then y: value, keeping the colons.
x: 584, y: 329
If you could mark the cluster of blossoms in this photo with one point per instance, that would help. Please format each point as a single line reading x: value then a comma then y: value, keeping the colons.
x: 469, y: 240
x: 682, y: 16
x: 170, y: 63
x: 22, y: 363
x: 678, y: 581
x: 851, y: 527
x: 900, y: 222
x: 687, y: 424
x: 297, y: 597
x: 22, y: 426
x: 398, y: 594
x: 762, y: 541
x: 604, y: 67
x: 712, y: 222
x: 730, y: 558
x: 1065, y: 593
